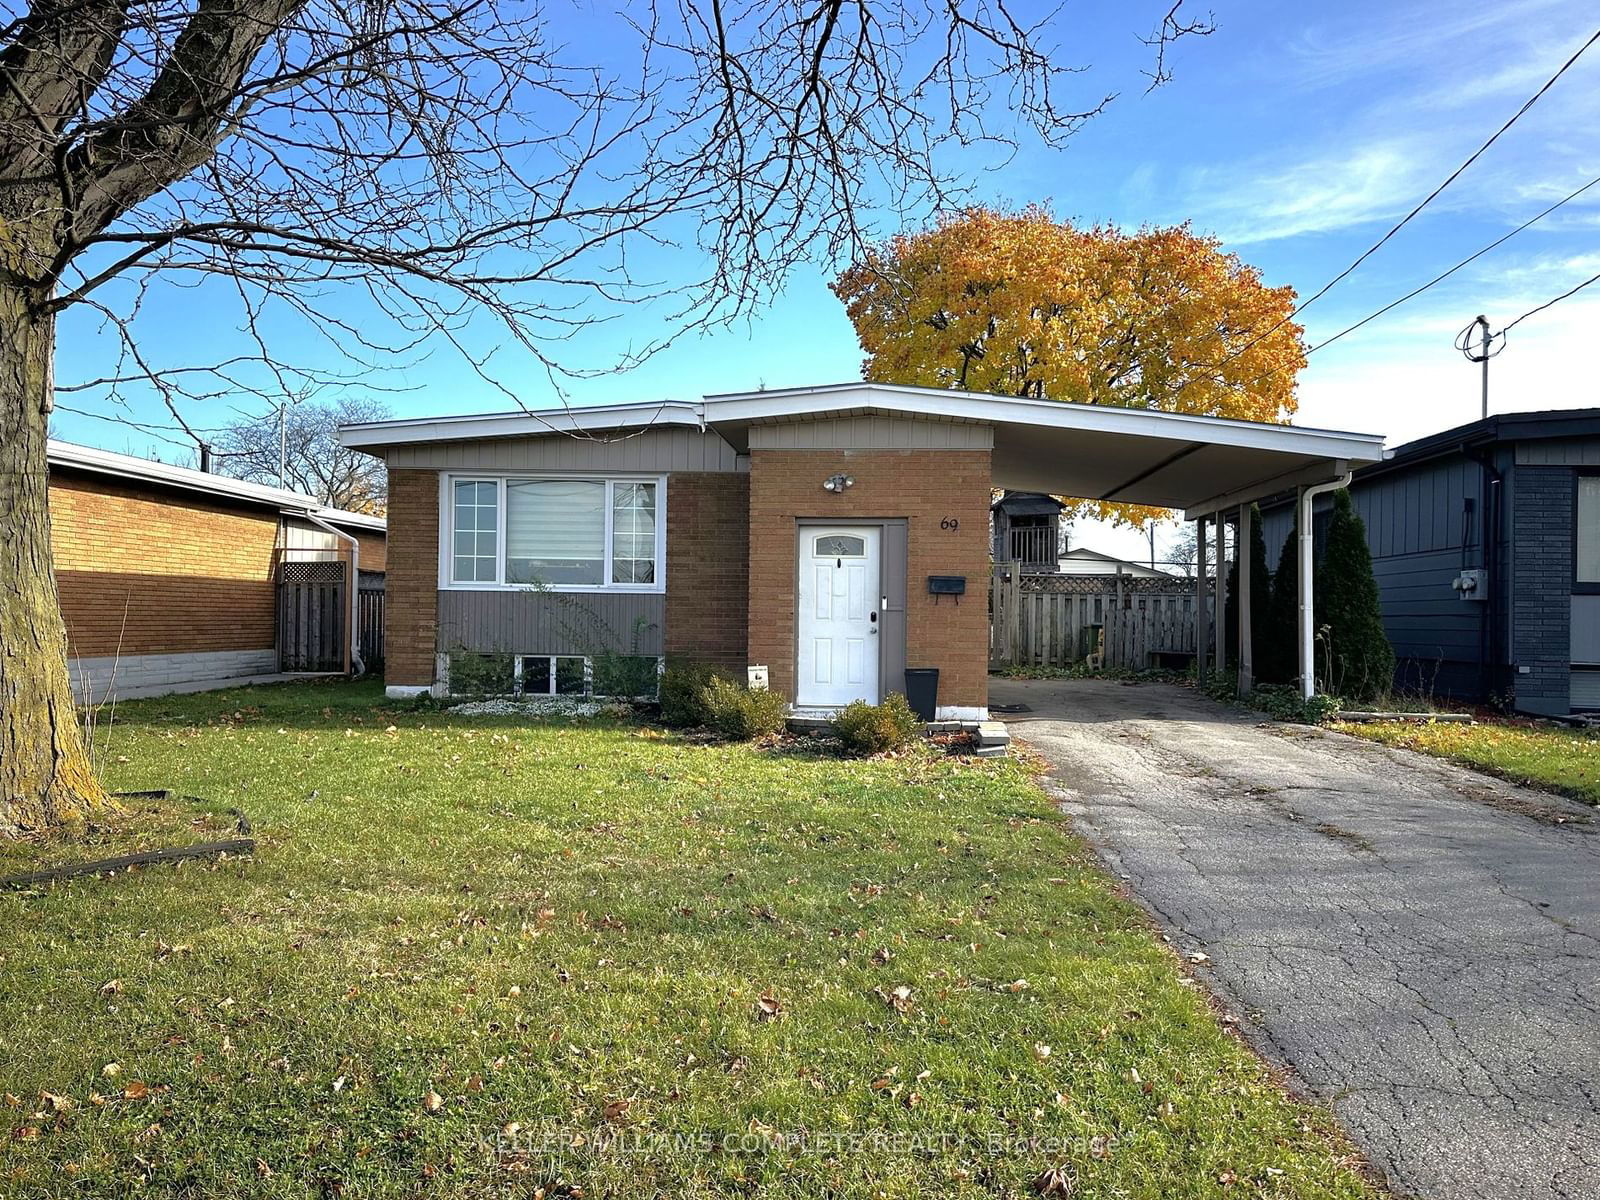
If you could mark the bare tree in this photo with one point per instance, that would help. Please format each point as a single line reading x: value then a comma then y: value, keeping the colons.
x: 303, y: 453
x: 400, y: 175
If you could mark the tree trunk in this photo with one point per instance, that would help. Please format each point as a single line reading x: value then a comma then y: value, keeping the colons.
x: 46, y: 779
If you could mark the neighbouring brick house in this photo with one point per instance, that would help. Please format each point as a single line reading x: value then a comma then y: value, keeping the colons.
x: 828, y: 539
x: 1485, y: 542
x: 167, y: 575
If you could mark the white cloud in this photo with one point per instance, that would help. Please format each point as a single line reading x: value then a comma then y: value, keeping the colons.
x: 1332, y: 191
x: 1416, y: 35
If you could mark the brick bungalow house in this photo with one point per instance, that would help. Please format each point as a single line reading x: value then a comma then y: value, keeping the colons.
x: 831, y: 536
x: 167, y: 575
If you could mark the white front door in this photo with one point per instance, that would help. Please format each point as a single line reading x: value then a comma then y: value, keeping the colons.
x: 837, y: 657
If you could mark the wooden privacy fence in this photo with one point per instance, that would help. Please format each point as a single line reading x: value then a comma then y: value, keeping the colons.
x: 369, y: 620
x: 1099, y: 620
x: 311, y: 615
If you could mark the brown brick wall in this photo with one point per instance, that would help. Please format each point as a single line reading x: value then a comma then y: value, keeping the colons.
x: 411, y: 602
x: 150, y: 571
x: 707, y: 605
x: 923, y: 486
x: 374, y: 551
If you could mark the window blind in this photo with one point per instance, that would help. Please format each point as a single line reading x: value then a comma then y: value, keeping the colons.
x: 555, y: 531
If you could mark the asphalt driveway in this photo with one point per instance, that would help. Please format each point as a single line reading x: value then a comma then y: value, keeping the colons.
x: 1419, y: 943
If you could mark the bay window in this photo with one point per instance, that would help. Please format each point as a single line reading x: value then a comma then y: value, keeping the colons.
x: 563, y: 534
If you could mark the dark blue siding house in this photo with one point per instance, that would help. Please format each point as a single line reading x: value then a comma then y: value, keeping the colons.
x: 1485, y: 542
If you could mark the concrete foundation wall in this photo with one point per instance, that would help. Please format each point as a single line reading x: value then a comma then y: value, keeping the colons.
x: 95, y: 679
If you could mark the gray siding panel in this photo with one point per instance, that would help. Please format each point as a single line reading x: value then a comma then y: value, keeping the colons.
x: 1560, y: 452
x: 657, y: 451
x: 871, y: 433
x: 551, y: 622
x: 1419, y: 543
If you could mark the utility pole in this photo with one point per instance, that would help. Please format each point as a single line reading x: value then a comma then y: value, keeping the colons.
x: 283, y: 440
x: 1482, y: 352
x: 1483, y: 331
x: 1152, y: 544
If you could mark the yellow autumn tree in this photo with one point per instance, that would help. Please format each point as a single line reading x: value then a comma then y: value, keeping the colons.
x: 1020, y: 304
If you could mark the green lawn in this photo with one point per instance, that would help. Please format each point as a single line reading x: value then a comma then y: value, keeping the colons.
x: 474, y: 957
x: 1560, y: 759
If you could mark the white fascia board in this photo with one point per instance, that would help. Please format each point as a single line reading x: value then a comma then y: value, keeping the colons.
x: 126, y: 466
x: 1303, y: 477
x: 343, y: 516
x: 522, y: 423
x: 1051, y: 414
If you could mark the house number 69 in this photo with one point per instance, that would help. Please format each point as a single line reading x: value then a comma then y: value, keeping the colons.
x: 950, y: 523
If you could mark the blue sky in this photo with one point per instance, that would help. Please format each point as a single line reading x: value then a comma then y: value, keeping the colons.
x: 1297, y: 137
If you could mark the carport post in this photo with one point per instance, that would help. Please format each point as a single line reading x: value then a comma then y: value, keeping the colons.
x: 1219, y: 582
x: 1241, y: 550
x: 1201, y: 625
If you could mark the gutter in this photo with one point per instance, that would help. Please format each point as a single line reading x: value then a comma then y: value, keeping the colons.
x: 357, y: 667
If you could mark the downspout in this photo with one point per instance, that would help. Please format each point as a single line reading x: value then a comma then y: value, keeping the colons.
x: 358, y: 668
x: 1489, y: 656
x: 1308, y: 673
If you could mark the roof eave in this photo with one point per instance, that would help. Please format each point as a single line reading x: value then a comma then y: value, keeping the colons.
x: 568, y: 421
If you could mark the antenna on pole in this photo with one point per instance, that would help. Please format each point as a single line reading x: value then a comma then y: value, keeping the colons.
x: 1488, y: 345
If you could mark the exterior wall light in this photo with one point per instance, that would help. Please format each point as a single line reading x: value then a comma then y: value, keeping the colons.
x: 837, y: 483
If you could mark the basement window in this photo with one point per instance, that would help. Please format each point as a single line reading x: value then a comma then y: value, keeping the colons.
x: 553, y: 675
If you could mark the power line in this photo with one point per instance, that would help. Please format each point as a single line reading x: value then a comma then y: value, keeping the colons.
x: 1443, y: 275
x: 1404, y: 221
x: 1454, y: 175
x: 1548, y: 303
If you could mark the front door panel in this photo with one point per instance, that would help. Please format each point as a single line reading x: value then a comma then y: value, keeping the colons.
x: 837, y: 654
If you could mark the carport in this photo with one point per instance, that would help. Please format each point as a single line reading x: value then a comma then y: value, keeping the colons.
x: 1209, y: 468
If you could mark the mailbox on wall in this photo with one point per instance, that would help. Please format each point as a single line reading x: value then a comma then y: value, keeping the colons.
x: 947, y: 585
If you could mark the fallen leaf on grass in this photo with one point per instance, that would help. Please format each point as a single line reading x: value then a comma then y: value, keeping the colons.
x: 768, y: 1007
x: 56, y: 1103
x: 136, y: 1089
x: 111, y: 987
x: 1054, y: 1181
x: 900, y: 998
x: 432, y: 1102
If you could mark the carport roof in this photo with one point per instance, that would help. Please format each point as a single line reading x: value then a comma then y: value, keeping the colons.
x: 1141, y: 456
x: 1172, y: 460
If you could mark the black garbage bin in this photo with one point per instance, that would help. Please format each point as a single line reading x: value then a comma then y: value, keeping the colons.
x: 922, y: 691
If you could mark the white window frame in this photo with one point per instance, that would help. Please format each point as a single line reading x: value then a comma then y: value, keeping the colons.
x: 520, y: 668
x: 447, y: 526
